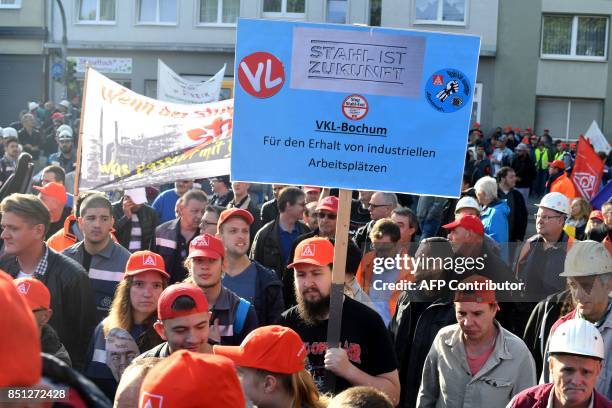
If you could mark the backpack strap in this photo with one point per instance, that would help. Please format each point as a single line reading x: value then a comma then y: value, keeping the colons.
x: 241, y: 313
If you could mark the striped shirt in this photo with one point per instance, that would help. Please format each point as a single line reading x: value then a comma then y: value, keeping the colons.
x: 135, y: 235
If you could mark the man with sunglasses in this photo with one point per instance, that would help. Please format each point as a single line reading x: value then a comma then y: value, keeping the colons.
x: 588, y: 269
x: 380, y: 206
x: 542, y: 256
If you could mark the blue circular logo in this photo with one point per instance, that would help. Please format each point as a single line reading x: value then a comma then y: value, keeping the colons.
x: 448, y: 90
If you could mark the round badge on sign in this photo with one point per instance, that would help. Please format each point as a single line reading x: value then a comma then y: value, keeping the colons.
x: 355, y: 107
x: 261, y: 74
x: 448, y: 90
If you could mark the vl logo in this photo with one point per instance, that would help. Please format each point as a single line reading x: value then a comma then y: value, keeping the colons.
x: 261, y: 74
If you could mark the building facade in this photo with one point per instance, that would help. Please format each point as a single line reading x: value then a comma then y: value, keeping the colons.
x: 553, y: 67
x: 23, y: 64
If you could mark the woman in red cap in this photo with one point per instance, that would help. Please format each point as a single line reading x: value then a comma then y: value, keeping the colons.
x: 128, y: 329
x: 270, y: 364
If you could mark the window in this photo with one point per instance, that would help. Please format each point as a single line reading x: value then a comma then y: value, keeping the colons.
x: 96, y: 11
x: 375, y: 12
x: 10, y: 4
x: 575, y: 37
x: 219, y: 11
x: 476, y: 103
x: 567, y: 118
x: 157, y: 11
x: 284, y: 8
x: 336, y: 11
x: 441, y: 12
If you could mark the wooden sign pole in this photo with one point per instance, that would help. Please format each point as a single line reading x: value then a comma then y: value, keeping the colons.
x: 337, y: 290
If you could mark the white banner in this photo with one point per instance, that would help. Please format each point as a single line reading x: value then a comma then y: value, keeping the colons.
x: 103, y: 64
x: 597, y: 139
x: 172, y: 88
x: 129, y: 140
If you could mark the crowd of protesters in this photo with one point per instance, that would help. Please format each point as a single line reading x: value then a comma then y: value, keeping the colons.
x: 213, y: 293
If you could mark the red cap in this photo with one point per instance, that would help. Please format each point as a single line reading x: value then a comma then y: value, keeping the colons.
x: 559, y: 164
x: 313, y: 251
x: 35, y: 292
x: 517, y: 129
x: 479, y: 294
x: 476, y: 124
x: 596, y: 215
x: 572, y: 145
x: 329, y: 203
x: 169, y: 295
x: 508, y: 128
x: 188, y: 380
x: 143, y: 261
x: 469, y: 222
x: 276, y: 349
x: 529, y: 129
x: 20, y: 342
x: 563, y: 145
x: 235, y: 212
x: 57, y: 115
x: 206, y: 246
x: 55, y: 190
x: 525, y: 140
x: 308, y: 189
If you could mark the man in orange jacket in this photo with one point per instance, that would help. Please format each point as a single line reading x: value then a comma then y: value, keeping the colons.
x: 559, y: 182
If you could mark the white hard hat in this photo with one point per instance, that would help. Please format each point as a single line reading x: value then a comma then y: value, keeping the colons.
x: 467, y: 202
x: 557, y: 202
x: 65, y: 103
x: 64, y: 128
x: 587, y: 258
x: 32, y: 105
x: 577, y: 336
x: 64, y: 135
x: 9, y: 131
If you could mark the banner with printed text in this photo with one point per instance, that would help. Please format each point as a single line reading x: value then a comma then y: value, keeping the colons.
x: 129, y: 140
x: 172, y: 88
x: 352, y: 107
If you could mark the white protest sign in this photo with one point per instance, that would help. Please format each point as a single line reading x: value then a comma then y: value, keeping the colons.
x: 172, y: 88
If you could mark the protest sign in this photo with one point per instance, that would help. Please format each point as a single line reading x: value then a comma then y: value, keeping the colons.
x: 352, y: 107
x: 172, y: 88
x: 129, y: 140
x: 588, y: 170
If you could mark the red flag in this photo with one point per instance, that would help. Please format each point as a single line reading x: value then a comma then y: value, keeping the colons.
x: 588, y: 169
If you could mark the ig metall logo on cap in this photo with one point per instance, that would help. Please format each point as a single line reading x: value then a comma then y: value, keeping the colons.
x: 448, y: 90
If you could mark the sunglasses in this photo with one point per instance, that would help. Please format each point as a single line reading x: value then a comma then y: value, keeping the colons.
x: 370, y: 205
x: 329, y: 216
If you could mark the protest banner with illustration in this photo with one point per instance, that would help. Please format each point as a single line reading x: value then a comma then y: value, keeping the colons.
x: 129, y: 140
x: 352, y: 107
x: 172, y: 88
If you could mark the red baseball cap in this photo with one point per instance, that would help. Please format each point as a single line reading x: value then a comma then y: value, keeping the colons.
x: 35, y: 292
x: 20, y: 342
x: 143, y: 261
x: 206, y: 246
x: 235, y: 212
x: 313, y: 251
x: 517, y: 129
x: 192, y: 380
x: 276, y: 349
x: 169, y: 295
x: 597, y: 215
x: 55, y: 190
x: 469, y: 222
x: 476, y: 124
x: 559, y: 164
x: 312, y: 188
x: 329, y: 203
x: 480, y: 293
x: 57, y: 115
